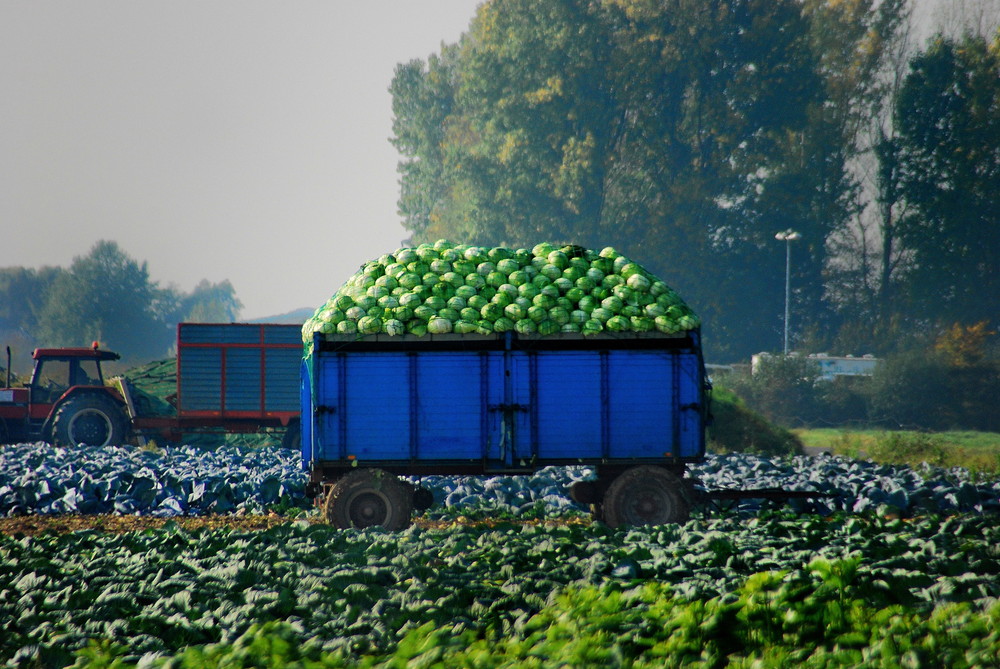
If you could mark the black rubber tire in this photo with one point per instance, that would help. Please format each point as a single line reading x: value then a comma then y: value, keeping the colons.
x: 423, y: 498
x: 645, y: 495
x: 584, y: 492
x: 292, y: 439
x: 370, y: 497
x: 91, y: 419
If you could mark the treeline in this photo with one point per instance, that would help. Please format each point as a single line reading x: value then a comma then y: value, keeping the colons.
x: 687, y: 133
x: 104, y: 296
x: 952, y: 385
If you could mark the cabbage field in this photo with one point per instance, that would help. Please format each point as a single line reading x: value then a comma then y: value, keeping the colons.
x: 899, y: 567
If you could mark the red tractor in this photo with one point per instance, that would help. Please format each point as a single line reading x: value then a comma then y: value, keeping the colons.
x: 66, y: 402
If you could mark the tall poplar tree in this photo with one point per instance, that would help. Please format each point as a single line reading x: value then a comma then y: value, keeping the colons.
x: 948, y: 114
x: 685, y: 133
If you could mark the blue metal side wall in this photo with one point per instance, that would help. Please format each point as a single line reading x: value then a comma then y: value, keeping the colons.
x: 400, y: 406
x: 567, y: 409
x: 449, y: 403
x: 508, y: 408
x: 218, y: 333
x: 611, y: 404
x: 306, y: 397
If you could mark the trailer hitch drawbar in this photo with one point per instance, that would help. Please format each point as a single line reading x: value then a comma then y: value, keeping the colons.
x: 719, y: 497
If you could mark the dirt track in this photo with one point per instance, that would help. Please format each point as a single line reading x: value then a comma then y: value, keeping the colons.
x: 36, y: 524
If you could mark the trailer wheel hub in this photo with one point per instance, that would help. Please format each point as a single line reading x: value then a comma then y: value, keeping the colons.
x: 646, y: 505
x: 367, y: 509
x: 366, y: 498
x: 644, y: 495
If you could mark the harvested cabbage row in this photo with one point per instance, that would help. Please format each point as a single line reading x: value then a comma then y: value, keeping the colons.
x: 446, y: 288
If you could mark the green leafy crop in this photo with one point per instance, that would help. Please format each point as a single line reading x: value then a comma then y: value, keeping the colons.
x: 716, y: 591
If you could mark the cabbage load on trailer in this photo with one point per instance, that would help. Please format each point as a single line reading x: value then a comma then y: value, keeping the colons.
x: 456, y: 359
x: 446, y: 288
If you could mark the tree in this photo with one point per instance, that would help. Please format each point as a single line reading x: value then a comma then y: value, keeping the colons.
x: 959, y: 18
x: 678, y: 131
x: 949, y: 133
x: 106, y: 296
x: 22, y: 294
x: 207, y: 303
x: 212, y: 303
x: 865, y: 47
x: 423, y: 102
x: 783, y: 388
x: 965, y: 346
x: 922, y: 389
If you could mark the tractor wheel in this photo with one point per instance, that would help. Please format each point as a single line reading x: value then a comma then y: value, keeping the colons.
x: 91, y: 419
x: 645, y: 495
x: 369, y: 497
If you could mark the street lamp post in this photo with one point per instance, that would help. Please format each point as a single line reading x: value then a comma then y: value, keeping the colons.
x: 788, y: 236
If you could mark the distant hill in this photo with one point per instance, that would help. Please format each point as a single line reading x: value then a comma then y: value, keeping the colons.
x: 298, y: 316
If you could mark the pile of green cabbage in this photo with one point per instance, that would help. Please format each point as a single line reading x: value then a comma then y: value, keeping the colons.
x: 445, y: 288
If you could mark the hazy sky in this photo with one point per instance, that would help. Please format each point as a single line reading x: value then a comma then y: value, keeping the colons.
x: 238, y: 139
x: 214, y: 139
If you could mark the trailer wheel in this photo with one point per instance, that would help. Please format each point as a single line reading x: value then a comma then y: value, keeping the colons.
x: 90, y: 419
x: 369, y: 497
x: 645, y: 495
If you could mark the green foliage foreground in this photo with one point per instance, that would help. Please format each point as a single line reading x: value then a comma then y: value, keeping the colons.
x: 778, y: 589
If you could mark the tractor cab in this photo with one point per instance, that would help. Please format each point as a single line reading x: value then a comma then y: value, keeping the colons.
x: 59, y: 369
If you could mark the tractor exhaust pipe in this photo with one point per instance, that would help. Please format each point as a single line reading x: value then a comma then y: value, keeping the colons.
x: 8, y: 368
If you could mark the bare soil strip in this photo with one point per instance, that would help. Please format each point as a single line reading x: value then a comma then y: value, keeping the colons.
x: 37, y: 524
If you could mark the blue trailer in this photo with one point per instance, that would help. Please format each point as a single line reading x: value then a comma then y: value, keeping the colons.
x: 633, y: 405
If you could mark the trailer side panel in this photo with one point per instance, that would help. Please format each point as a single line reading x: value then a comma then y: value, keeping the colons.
x: 502, y: 404
x: 238, y: 370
